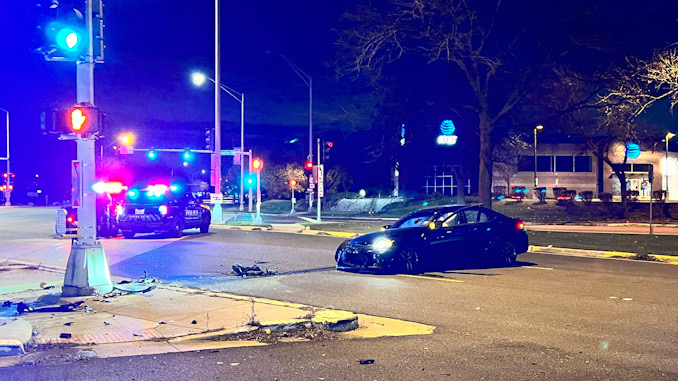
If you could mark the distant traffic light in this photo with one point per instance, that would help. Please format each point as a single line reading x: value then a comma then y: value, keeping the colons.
x: 250, y: 181
x: 326, y: 150
x: 5, y: 175
x: 187, y: 156
x: 209, y: 139
x: 257, y: 164
x: 152, y: 154
x: 293, y: 183
x: 308, y: 165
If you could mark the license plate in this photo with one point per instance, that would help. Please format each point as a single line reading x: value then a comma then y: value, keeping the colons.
x: 139, y: 211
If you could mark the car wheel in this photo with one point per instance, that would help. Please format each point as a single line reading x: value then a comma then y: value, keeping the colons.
x: 506, y: 254
x: 408, y: 260
x: 178, y: 228
x: 205, y: 225
x: 128, y: 233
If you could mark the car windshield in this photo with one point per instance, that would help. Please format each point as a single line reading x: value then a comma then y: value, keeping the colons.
x: 420, y: 218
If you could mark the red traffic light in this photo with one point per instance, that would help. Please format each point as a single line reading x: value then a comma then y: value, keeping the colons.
x: 330, y: 144
x: 257, y: 164
x: 308, y: 165
x: 293, y: 183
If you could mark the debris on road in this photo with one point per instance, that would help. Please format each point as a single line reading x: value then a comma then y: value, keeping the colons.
x: 245, y: 271
x: 125, y: 287
x: 65, y: 335
x: 366, y: 362
x: 23, y: 307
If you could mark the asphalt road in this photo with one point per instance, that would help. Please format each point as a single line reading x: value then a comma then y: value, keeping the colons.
x: 550, y: 317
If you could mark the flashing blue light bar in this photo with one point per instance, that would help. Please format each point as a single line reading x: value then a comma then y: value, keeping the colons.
x: 425, y: 203
x: 500, y: 197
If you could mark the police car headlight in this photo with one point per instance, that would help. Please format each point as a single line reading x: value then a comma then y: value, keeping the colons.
x: 382, y: 244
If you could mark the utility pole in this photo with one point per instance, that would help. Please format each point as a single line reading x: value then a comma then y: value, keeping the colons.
x: 8, y: 182
x: 87, y: 271
x: 217, y: 211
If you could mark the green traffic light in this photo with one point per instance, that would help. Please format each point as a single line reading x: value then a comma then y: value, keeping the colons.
x: 152, y: 155
x: 69, y: 40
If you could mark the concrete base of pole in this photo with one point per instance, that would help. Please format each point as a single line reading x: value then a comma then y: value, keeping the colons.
x: 217, y: 214
x: 87, y: 272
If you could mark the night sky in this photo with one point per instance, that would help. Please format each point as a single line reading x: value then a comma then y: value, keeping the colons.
x: 153, y: 46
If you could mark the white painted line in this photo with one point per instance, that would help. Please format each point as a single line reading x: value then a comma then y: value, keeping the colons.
x: 307, y: 219
x: 537, y: 267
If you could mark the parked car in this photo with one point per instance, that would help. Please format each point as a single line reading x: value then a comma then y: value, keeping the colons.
x: 106, y: 216
x: 434, y: 237
x: 162, y: 209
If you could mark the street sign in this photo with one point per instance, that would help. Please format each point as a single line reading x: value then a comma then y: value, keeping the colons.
x: 216, y: 198
x: 321, y: 176
x: 227, y: 152
x: 61, y: 222
x: 76, y: 183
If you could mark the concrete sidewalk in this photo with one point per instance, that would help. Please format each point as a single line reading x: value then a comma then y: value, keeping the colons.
x: 165, y: 319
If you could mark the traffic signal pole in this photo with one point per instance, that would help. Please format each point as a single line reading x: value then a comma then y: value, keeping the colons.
x: 87, y: 271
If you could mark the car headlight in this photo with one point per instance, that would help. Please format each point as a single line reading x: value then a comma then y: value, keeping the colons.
x: 380, y: 245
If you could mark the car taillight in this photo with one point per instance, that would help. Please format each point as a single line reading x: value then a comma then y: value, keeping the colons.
x: 163, y: 209
x: 520, y: 225
x: 70, y: 219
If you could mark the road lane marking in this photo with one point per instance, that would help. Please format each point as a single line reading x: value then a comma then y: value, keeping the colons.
x: 307, y: 219
x: 537, y: 267
x: 432, y: 278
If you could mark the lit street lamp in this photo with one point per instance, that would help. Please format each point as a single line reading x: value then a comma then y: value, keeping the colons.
x: 198, y: 80
x: 536, y: 180
x: 668, y: 137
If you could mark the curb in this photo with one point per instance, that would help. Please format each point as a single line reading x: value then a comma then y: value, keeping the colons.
x: 669, y: 259
x: 330, y: 233
x: 242, y: 227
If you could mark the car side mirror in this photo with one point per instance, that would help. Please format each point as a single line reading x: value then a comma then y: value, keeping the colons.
x: 385, y: 227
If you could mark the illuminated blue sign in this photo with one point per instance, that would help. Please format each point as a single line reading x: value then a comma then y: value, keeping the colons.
x: 632, y: 150
x: 447, y: 137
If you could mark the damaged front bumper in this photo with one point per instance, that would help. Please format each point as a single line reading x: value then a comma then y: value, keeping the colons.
x: 359, y: 258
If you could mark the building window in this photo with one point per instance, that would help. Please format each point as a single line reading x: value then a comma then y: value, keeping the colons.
x: 544, y: 163
x: 583, y: 164
x: 564, y: 164
x: 526, y: 163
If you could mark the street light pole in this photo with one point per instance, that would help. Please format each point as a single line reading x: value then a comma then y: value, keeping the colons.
x: 309, y: 82
x: 8, y: 191
x: 668, y: 137
x: 217, y: 212
x: 536, y: 180
x: 199, y: 79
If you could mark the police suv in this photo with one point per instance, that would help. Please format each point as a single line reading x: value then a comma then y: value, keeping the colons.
x: 161, y: 208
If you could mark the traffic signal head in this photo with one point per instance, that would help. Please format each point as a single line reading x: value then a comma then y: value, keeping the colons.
x: 326, y: 150
x: 65, y: 33
x: 83, y: 120
x: 209, y: 139
x: 250, y: 181
x: 152, y: 154
x: 187, y: 156
x: 293, y: 183
x: 308, y: 165
x: 257, y: 164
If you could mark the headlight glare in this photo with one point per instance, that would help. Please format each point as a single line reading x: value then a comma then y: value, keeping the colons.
x: 382, y: 244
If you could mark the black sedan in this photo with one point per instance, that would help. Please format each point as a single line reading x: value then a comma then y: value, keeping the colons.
x: 436, y: 237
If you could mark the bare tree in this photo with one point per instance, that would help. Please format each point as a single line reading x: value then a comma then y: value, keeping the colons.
x: 506, y: 155
x: 465, y: 34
